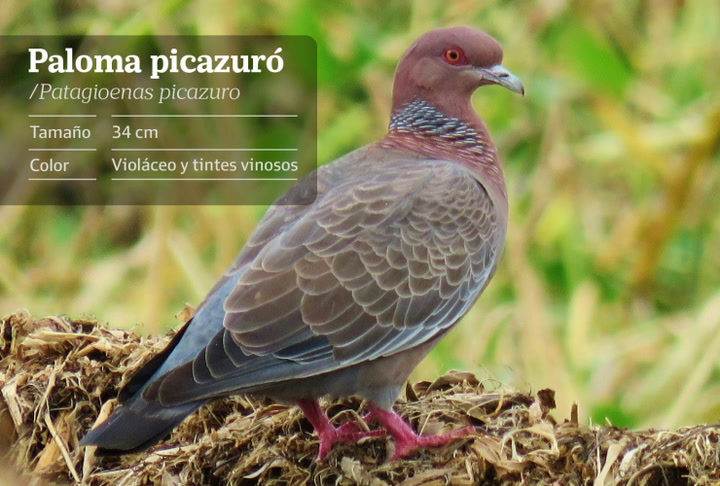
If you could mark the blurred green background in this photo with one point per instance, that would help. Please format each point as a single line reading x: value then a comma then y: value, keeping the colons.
x: 609, y: 290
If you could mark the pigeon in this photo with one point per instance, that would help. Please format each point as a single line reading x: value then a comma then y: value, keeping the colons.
x: 346, y: 294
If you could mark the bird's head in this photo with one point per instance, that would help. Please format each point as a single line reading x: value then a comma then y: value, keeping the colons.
x: 445, y: 66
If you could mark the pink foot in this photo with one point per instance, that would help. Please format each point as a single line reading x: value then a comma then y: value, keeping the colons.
x: 406, y: 440
x: 328, y: 434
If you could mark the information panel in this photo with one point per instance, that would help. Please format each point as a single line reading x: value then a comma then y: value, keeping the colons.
x: 157, y: 120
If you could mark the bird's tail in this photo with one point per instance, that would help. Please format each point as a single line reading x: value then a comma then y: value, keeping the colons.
x: 135, y: 426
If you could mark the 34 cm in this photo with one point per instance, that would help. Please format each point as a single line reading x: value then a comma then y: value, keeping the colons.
x: 127, y: 132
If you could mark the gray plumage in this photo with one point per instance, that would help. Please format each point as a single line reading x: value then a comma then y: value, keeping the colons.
x: 344, y: 295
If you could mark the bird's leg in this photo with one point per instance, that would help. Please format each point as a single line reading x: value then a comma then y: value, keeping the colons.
x: 356, y: 427
x: 328, y: 434
x: 405, y: 438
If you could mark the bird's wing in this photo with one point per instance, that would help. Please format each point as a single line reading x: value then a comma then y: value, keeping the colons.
x: 383, y: 262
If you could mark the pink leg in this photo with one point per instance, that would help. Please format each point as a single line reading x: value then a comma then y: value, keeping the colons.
x: 328, y: 434
x: 406, y: 440
x: 356, y: 427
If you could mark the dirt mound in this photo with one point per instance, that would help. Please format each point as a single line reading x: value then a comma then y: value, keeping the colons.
x: 58, y: 375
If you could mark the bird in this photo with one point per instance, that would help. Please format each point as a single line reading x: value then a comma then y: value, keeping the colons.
x: 356, y: 273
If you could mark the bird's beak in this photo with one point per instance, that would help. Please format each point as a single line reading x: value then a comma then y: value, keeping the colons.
x: 498, y: 74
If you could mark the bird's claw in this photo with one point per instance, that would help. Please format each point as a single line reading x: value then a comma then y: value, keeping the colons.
x: 349, y: 433
x: 406, y: 445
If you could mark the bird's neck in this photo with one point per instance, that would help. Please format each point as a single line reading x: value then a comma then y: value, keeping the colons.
x: 421, y: 127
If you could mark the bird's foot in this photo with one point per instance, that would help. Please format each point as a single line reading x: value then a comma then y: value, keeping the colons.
x: 355, y: 428
x: 345, y: 434
x: 405, y: 438
x: 330, y: 435
x: 406, y: 445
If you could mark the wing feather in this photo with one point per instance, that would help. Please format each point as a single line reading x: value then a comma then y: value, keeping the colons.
x: 383, y: 261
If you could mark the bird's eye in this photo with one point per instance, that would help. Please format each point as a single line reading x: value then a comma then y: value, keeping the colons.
x: 454, y: 55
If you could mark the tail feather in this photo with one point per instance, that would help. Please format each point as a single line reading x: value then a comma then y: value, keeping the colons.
x: 136, y: 426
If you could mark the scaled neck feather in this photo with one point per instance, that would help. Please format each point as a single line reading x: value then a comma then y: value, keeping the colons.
x: 421, y: 127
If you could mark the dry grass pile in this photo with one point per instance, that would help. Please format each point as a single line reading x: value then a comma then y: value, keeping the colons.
x: 56, y: 374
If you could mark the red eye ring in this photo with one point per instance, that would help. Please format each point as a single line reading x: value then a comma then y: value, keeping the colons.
x: 454, y: 55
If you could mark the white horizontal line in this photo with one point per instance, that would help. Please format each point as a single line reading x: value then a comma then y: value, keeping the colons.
x: 62, y: 116
x: 204, y: 149
x: 62, y: 150
x: 199, y: 179
x: 62, y: 179
x: 204, y: 116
